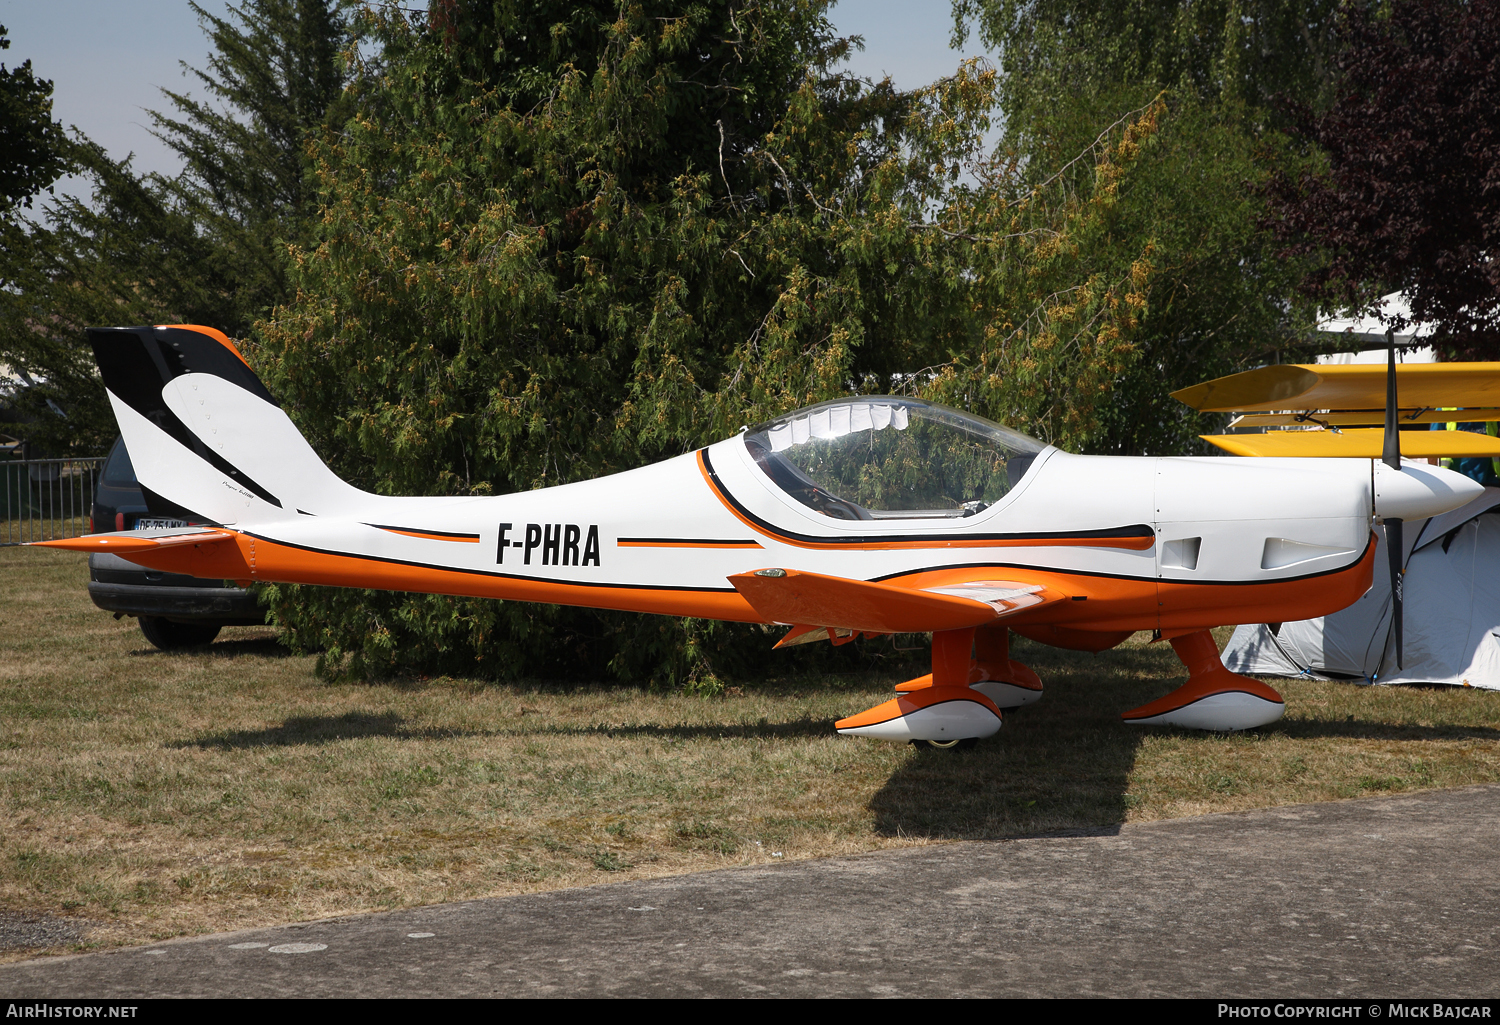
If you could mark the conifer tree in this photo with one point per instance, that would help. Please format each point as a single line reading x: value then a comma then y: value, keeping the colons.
x: 274, y: 74
x: 34, y: 152
x: 32, y: 145
x: 203, y: 247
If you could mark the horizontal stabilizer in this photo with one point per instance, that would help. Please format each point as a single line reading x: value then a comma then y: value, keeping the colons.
x: 135, y: 541
x: 816, y: 600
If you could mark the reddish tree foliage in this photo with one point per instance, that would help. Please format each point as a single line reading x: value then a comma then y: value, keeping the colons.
x: 1411, y: 196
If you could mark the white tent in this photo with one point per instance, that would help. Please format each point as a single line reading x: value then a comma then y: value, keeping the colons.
x: 1370, y: 331
x: 1451, y: 612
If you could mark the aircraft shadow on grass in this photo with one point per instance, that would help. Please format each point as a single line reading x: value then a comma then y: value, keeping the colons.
x: 1063, y: 765
x: 1059, y: 767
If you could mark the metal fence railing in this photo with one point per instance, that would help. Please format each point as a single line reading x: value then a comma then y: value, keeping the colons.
x: 45, y: 499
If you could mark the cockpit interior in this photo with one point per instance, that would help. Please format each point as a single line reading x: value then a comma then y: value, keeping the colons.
x: 884, y: 457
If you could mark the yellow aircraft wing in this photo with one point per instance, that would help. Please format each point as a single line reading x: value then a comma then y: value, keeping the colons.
x: 1344, y: 387
x: 1358, y: 417
x: 1361, y: 444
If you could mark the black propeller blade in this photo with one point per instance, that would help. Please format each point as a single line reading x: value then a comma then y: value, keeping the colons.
x: 1391, y: 453
x: 1391, y: 456
x: 1393, y: 548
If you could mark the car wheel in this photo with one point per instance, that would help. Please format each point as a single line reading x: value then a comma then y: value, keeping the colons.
x: 168, y: 635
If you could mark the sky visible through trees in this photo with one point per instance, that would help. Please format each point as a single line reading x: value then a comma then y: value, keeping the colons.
x: 78, y: 44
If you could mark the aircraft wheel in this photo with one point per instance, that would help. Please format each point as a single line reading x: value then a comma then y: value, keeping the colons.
x: 945, y: 745
x: 169, y: 636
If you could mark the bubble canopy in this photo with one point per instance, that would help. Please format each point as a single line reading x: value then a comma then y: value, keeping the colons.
x: 880, y: 457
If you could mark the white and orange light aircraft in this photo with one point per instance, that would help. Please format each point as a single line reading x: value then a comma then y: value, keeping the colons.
x: 862, y: 516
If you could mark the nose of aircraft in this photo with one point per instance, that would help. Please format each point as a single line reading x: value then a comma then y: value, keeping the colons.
x: 1420, y: 490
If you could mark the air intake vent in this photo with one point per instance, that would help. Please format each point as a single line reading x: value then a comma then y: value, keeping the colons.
x: 1281, y: 552
x: 1181, y: 554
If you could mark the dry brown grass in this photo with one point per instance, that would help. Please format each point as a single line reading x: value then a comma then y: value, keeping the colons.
x: 167, y: 794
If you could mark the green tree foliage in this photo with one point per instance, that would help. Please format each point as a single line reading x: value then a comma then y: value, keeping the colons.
x: 1246, y: 52
x: 59, y: 277
x: 1221, y: 297
x: 36, y: 152
x: 275, y: 72
x: 31, y: 159
x: 200, y: 248
x: 564, y: 239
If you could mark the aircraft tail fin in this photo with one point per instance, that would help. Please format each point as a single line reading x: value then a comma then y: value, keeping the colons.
x: 204, y: 434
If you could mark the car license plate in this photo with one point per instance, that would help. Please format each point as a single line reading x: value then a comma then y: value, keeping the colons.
x: 158, y: 523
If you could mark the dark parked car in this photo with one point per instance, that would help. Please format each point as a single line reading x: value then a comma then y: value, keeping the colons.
x: 174, y: 610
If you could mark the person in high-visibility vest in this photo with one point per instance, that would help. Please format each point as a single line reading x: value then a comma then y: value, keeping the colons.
x: 1485, y: 471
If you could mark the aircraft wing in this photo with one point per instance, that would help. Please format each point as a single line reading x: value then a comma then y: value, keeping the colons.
x: 1365, y: 444
x: 1343, y: 387
x: 810, y: 601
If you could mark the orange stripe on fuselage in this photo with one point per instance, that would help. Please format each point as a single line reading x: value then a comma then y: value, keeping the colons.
x: 687, y: 544
x: 431, y: 537
x: 1138, y: 544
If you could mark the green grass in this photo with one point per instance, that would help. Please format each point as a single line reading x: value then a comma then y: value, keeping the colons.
x: 160, y: 794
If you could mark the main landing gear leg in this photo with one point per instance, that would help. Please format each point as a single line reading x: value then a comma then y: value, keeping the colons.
x: 939, y: 710
x: 1006, y: 682
x: 1213, y: 698
x: 982, y: 661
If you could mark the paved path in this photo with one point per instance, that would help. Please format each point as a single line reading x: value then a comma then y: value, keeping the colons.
x: 1390, y: 897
